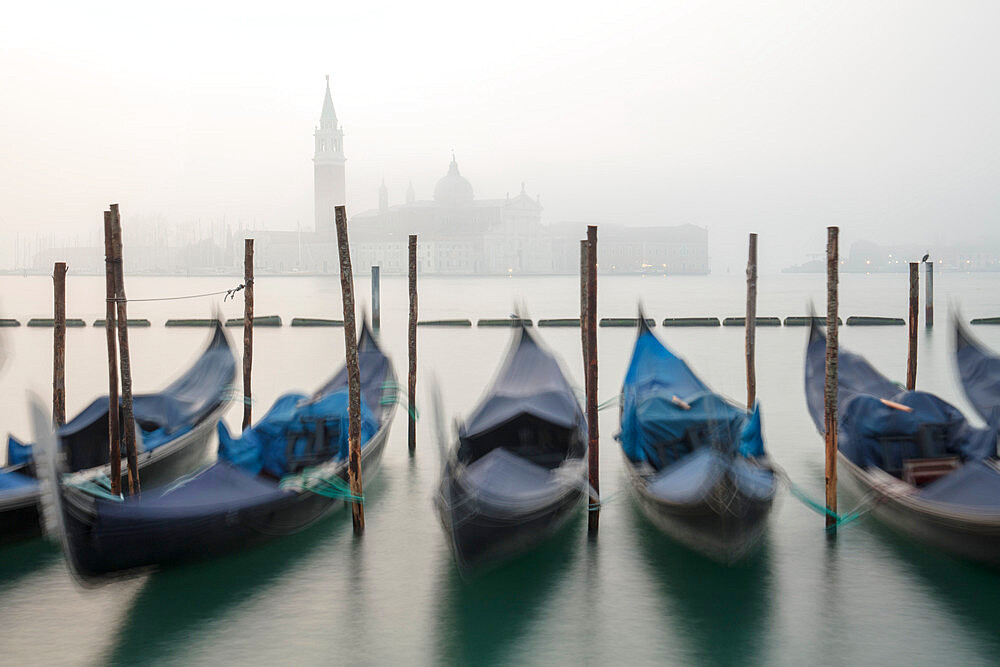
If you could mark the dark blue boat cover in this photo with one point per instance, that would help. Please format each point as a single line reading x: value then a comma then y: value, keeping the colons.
x: 161, y: 417
x: 979, y: 370
x: 285, y: 440
x: 651, y: 418
x: 871, y: 433
x: 221, y: 487
x: 974, y: 485
x: 14, y: 482
x: 530, y: 382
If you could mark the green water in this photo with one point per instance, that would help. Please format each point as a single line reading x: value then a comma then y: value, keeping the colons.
x: 629, y: 596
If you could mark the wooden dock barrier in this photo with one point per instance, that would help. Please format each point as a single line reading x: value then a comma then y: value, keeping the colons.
x: 132, y: 322
x: 560, y: 322
x: 59, y: 344
x: 49, y: 322
x: 353, y: 373
x: 630, y: 322
x: 9, y: 322
x: 985, y: 320
x: 866, y: 321
x: 315, y: 322
x: 805, y: 320
x: 760, y: 321
x: 444, y: 323
x: 593, y: 460
x: 911, y: 349
x: 751, y: 322
x: 191, y: 323
x: 830, y: 387
x: 691, y: 322
x: 258, y: 321
x: 504, y: 322
x: 248, y: 323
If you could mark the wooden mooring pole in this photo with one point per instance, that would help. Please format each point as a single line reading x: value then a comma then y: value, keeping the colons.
x: 353, y: 373
x: 376, y: 299
x: 593, y: 446
x: 110, y: 329
x: 411, y: 356
x: 128, y: 416
x: 830, y: 388
x: 929, y: 296
x: 911, y: 352
x: 59, y: 344
x: 751, y: 323
x: 247, y: 330
x: 584, y: 274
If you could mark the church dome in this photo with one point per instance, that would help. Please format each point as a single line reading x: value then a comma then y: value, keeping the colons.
x: 453, y: 188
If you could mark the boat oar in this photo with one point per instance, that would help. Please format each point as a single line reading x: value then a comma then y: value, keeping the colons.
x: 896, y: 406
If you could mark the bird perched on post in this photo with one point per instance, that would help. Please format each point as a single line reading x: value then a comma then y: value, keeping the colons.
x: 926, y: 257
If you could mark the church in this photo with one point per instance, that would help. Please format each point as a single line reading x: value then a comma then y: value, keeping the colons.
x: 459, y: 234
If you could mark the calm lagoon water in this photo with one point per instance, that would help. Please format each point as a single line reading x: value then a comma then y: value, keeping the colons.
x: 395, y: 597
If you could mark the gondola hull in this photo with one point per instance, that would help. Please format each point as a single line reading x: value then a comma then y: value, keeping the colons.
x: 724, y: 524
x: 95, y: 553
x: 962, y: 534
x: 480, y: 534
x: 20, y: 519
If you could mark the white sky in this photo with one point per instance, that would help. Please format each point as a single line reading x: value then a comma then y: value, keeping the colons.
x: 775, y: 117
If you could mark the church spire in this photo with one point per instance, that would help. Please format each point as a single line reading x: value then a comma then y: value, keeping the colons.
x: 328, y: 117
x: 383, y: 197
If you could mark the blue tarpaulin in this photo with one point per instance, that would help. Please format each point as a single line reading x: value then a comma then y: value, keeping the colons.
x: 286, y: 438
x: 665, y: 403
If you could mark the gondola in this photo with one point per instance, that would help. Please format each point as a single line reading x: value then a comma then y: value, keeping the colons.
x: 695, y: 460
x: 517, y: 470
x: 285, y: 473
x: 174, y: 429
x: 924, y: 470
x: 979, y: 371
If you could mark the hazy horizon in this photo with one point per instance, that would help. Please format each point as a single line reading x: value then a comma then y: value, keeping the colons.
x: 779, y: 118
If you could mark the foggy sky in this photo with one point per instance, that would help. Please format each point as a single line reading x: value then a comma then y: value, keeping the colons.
x: 775, y: 117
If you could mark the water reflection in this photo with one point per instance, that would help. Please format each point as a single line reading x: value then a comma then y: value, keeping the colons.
x: 22, y: 558
x: 482, y: 616
x: 723, y: 611
x: 178, y: 604
x: 968, y: 590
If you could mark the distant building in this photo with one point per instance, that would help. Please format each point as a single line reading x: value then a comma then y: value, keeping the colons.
x: 460, y: 234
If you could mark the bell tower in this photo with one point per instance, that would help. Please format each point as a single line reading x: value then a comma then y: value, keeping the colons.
x: 328, y: 165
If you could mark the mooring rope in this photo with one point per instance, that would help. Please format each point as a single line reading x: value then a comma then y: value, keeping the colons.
x: 229, y: 294
x: 799, y: 493
x: 99, y: 486
x: 328, y: 486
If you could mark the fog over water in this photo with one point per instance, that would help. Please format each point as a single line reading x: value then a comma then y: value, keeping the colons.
x: 775, y: 117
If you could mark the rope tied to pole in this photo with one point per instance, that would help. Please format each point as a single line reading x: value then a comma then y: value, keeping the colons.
x: 229, y: 294
x: 328, y: 486
x: 866, y: 505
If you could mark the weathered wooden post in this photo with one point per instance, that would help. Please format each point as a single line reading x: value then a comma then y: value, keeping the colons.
x: 830, y: 388
x: 593, y: 445
x: 128, y: 416
x: 110, y: 328
x: 376, y: 299
x: 353, y: 373
x: 911, y: 354
x: 247, y: 330
x: 411, y: 385
x: 929, y: 296
x: 59, y: 344
x: 584, y: 276
x: 751, y: 323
